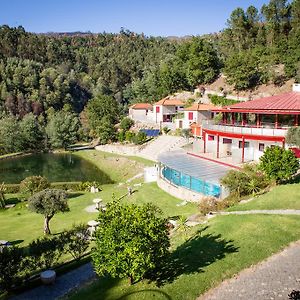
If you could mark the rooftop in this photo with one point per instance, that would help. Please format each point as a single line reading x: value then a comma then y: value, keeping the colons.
x: 141, y: 106
x: 283, y: 103
x: 170, y: 102
x: 200, y: 107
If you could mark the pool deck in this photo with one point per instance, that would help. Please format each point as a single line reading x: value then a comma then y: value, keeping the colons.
x: 197, y: 167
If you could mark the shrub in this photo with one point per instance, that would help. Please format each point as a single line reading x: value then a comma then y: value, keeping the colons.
x: 86, y: 186
x: 166, y: 130
x: 129, y: 135
x: 121, y: 136
x: 140, y: 138
x: 279, y: 164
x: 45, y: 252
x: 208, y: 204
x: 76, y: 241
x: 10, y: 267
x: 126, y: 124
x: 12, y: 188
x: 2, y: 197
x: 34, y: 184
x: 249, y: 180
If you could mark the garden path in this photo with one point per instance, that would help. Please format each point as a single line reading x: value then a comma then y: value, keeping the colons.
x: 274, y: 278
x: 63, y: 285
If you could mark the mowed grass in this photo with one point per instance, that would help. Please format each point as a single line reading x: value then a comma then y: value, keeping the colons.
x: 228, y: 245
x: 18, y: 224
x: 280, y: 197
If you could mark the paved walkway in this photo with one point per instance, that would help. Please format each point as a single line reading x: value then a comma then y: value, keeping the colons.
x: 63, y: 285
x: 266, y: 212
x: 274, y: 278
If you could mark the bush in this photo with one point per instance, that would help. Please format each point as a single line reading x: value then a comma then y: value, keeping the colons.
x: 166, y: 130
x: 11, y: 267
x: 86, y: 186
x: 12, y: 188
x: 279, y: 164
x: 121, y: 136
x: 34, y: 184
x: 76, y: 241
x: 140, y: 138
x: 126, y: 124
x: 208, y: 204
x: 247, y: 181
x: 129, y: 136
x: 45, y: 252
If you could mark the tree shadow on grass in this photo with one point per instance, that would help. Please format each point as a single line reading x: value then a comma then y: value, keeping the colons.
x: 192, y: 256
x: 16, y: 242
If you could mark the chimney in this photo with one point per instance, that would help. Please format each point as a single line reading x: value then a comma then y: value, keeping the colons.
x: 296, y: 87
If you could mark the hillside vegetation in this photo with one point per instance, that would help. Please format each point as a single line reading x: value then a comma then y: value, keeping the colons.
x: 48, y: 81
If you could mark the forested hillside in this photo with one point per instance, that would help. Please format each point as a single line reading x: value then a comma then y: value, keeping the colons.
x: 54, y: 77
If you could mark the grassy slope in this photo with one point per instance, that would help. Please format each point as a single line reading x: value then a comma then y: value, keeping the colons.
x: 118, y: 167
x: 228, y: 245
x: 281, y: 197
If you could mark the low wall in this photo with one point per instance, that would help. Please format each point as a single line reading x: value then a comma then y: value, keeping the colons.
x: 119, y: 149
x: 179, y: 192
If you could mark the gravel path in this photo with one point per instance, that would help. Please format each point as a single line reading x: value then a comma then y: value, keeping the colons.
x: 63, y: 285
x: 274, y: 278
x: 266, y: 212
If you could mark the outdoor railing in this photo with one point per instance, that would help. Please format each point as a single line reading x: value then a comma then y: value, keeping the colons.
x: 267, y: 130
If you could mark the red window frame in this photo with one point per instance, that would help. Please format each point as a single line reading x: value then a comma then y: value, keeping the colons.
x: 191, y: 116
x: 157, y: 109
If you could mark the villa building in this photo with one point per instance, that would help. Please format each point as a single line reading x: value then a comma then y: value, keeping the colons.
x: 247, y: 128
x: 141, y: 112
x: 166, y: 109
x: 194, y: 115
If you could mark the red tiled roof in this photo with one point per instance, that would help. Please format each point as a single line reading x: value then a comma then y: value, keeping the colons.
x: 288, y: 102
x: 141, y: 106
x: 169, y: 102
x: 200, y: 107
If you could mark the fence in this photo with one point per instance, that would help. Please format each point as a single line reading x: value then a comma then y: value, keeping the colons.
x: 189, y: 182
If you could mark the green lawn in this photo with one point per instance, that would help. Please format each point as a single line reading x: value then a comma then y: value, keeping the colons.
x: 280, y: 197
x: 228, y: 245
x: 19, y: 224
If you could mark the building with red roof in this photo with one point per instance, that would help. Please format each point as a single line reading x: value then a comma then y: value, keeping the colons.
x: 247, y: 128
x: 140, y: 112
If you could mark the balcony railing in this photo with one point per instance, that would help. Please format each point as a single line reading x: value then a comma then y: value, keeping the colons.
x: 267, y: 130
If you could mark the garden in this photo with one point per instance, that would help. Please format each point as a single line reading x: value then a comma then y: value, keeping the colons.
x: 190, y: 261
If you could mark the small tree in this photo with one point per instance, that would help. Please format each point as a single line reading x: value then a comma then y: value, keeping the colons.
x: 34, y: 184
x: 76, y: 241
x: 279, y: 164
x: 48, y: 202
x: 293, y: 136
x: 130, y: 241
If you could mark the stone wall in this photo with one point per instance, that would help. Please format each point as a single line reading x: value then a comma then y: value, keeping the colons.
x: 119, y: 149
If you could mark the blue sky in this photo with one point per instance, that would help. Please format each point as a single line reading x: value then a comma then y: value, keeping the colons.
x: 152, y: 17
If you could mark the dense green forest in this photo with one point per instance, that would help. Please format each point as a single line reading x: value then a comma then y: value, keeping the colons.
x: 47, y: 82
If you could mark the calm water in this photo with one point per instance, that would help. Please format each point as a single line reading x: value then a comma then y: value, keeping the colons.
x: 56, y: 167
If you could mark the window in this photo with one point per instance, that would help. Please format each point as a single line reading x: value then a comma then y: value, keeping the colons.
x: 227, y: 141
x: 246, y: 144
x: 261, y: 147
x: 157, y: 109
x: 191, y: 116
x: 211, y: 137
